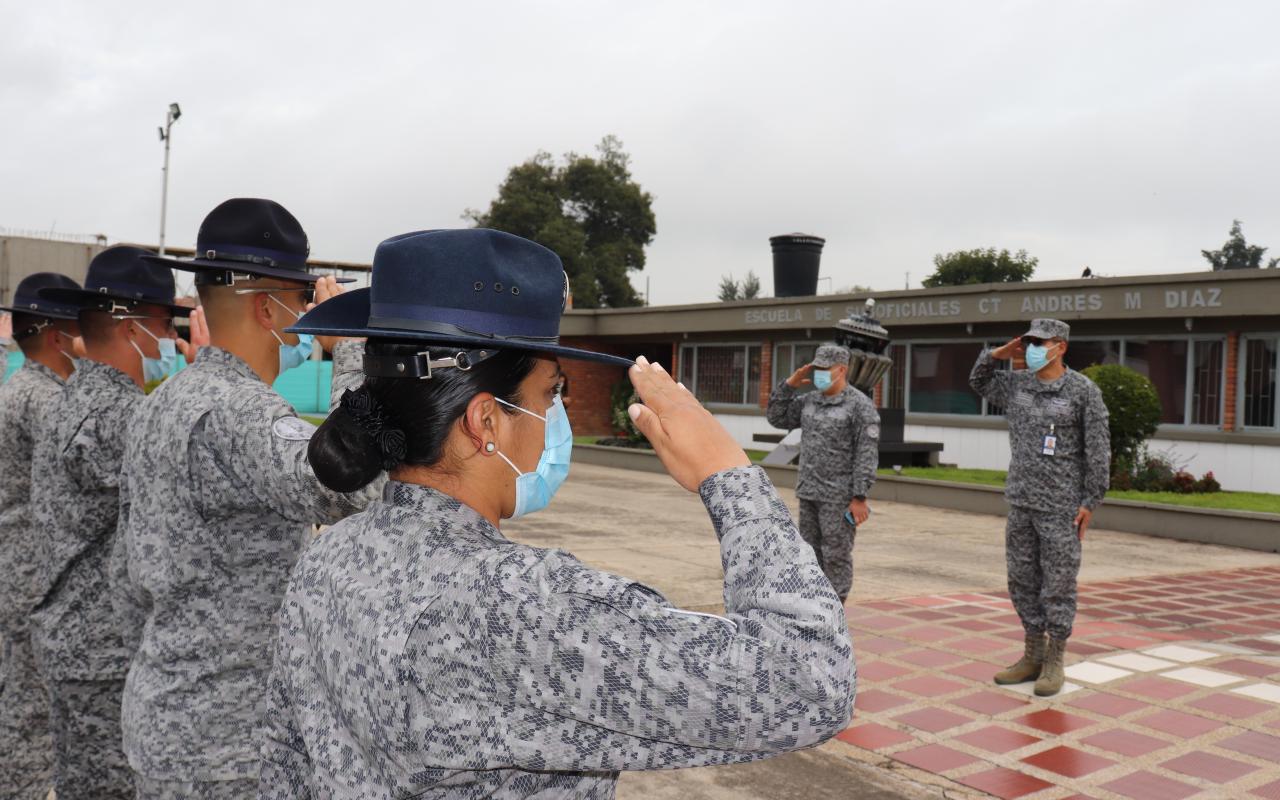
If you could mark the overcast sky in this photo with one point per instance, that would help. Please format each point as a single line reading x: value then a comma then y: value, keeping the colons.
x: 1121, y: 135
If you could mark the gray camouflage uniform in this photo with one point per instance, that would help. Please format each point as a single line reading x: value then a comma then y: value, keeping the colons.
x: 422, y: 654
x: 26, y: 768
x: 75, y: 476
x: 839, y: 452
x: 1045, y: 492
x: 218, y: 502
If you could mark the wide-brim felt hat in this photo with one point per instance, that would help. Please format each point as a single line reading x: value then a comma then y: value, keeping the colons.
x: 120, y: 278
x: 246, y: 238
x: 27, y: 297
x: 474, y: 289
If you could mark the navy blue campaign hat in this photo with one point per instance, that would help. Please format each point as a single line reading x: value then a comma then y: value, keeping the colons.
x: 119, y: 279
x: 247, y: 238
x: 474, y: 288
x: 27, y: 299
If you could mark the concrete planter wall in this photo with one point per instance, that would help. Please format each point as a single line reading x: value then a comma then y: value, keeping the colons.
x: 1245, y: 529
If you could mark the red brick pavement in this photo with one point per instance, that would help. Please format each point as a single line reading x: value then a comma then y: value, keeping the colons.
x: 1173, y: 691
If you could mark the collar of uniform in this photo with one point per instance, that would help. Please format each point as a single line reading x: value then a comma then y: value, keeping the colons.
x: 1051, y: 386
x: 43, y: 371
x: 437, y: 506
x: 89, y: 370
x: 210, y: 355
x: 838, y: 397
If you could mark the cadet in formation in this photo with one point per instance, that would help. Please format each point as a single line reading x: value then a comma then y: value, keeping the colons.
x: 1059, y: 472
x: 839, y: 452
x: 45, y: 331
x: 423, y: 654
x: 126, y: 317
x: 219, y: 501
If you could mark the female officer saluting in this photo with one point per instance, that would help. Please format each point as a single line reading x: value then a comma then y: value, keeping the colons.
x: 423, y: 654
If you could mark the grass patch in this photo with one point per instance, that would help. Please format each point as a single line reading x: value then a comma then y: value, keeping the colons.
x: 314, y: 420
x: 1228, y: 501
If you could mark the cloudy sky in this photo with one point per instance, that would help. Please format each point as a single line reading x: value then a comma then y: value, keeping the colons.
x: 1121, y: 135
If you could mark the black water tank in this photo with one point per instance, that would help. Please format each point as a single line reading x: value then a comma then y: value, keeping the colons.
x: 795, y: 264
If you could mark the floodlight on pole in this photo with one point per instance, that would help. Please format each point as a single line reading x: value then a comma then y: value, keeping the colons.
x: 166, y: 134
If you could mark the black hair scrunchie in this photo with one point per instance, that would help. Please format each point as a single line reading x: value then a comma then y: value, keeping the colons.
x: 392, y: 444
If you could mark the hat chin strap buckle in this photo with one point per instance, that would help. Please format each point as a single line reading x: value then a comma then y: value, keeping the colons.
x: 421, y: 365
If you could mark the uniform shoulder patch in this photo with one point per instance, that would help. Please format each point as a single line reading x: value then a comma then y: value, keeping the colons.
x: 293, y: 429
x: 873, y: 431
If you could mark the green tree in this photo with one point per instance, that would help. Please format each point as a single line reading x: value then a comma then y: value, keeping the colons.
x: 981, y: 266
x: 1236, y: 253
x: 589, y: 210
x: 729, y: 289
x: 1133, y: 408
x: 751, y: 286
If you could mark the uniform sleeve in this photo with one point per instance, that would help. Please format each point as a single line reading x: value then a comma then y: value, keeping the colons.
x: 866, y: 449
x: 785, y: 406
x: 254, y: 454
x: 593, y: 672
x: 286, y: 767
x: 989, y: 380
x: 348, y: 369
x: 130, y: 601
x: 1097, y: 449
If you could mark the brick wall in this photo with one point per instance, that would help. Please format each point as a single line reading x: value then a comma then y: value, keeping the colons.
x: 766, y: 373
x: 1229, y: 396
x: 591, y: 383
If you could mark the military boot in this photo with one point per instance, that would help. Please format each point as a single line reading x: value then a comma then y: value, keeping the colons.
x: 1051, y: 677
x: 1028, y: 667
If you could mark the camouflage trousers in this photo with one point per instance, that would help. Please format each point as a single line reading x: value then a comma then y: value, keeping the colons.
x: 26, y: 749
x: 153, y: 789
x: 824, y: 528
x: 89, y: 760
x: 1042, y: 552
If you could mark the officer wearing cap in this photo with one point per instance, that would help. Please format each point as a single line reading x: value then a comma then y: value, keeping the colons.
x: 126, y: 318
x: 45, y: 331
x: 423, y: 654
x: 1059, y: 472
x: 839, y: 452
x: 220, y: 502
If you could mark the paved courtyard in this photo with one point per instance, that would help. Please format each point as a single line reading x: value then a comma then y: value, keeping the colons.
x: 1174, y: 683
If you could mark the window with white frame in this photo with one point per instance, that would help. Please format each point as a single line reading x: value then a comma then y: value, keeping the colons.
x: 1258, y: 368
x: 728, y: 374
x: 1187, y: 372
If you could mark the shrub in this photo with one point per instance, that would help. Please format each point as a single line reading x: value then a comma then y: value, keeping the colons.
x: 620, y: 399
x: 1183, y: 482
x: 1134, y: 410
x: 1208, y: 484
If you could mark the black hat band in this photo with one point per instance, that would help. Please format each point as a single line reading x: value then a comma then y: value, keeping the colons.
x: 421, y: 365
x: 261, y: 256
x: 463, y: 322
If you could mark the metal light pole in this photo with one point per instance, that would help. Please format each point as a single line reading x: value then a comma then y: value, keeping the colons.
x: 165, y: 135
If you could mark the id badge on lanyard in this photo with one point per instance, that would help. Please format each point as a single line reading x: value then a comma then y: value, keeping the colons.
x: 1050, y: 445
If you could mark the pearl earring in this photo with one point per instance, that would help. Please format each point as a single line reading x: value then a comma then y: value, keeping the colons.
x: 489, y: 447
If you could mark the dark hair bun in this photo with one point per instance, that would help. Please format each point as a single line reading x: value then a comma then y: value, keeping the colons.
x: 355, y: 443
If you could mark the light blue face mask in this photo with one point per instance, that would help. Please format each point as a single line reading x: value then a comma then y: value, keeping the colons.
x: 534, y: 490
x: 156, y: 369
x: 1037, y: 357
x: 293, y: 355
x: 822, y: 379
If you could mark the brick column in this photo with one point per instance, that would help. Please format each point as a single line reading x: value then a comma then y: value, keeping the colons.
x: 1229, y: 395
x: 876, y: 395
x: 766, y: 373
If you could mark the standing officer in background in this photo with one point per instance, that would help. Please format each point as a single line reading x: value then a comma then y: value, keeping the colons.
x: 839, y: 452
x: 1058, y: 473
x: 45, y: 331
x: 219, y: 500
x: 126, y: 318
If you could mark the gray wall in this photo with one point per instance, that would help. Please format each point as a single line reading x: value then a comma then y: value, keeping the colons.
x: 20, y: 257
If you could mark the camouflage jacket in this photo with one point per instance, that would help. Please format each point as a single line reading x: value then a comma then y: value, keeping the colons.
x: 839, y: 441
x: 24, y: 400
x: 1079, y: 471
x: 75, y: 478
x: 422, y: 654
x: 217, y: 502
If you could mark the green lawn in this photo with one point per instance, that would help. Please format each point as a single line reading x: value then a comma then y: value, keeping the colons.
x: 317, y: 421
x: 1232, y: 501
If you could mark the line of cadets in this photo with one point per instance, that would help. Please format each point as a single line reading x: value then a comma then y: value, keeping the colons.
x: 146, y: 541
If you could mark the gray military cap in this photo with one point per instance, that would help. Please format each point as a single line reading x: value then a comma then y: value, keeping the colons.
x: 829, y: 355
x: 1049, y: 329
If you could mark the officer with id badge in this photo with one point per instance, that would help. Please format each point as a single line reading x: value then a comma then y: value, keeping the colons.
x: 1059, y: 472
x: 217, y: 503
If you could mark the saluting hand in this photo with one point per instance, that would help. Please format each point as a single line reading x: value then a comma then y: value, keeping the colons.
x: 6, y: 325
x: 326, y: 288
x: 1011, y: 349
x: 198, y: 330
x: 691, y: 443
x: 800, y: 377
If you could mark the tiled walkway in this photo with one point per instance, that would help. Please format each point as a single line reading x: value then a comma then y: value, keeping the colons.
x: 1173, y: 691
